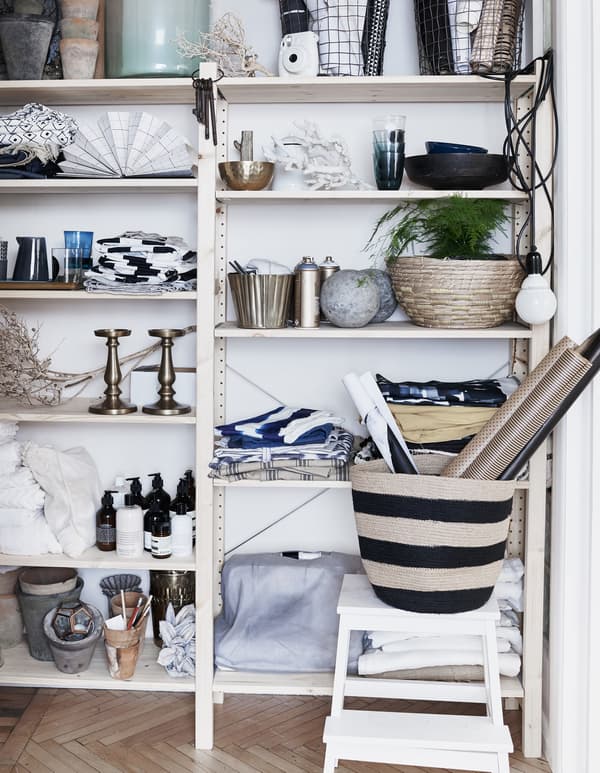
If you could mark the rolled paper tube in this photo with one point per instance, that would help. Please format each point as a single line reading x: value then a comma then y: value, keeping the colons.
x: 506, y: 44
x: 538, y: 408
x: 486, y: 36
x: 401, y: 457
x: 472, y: 450
x: 590, y: 349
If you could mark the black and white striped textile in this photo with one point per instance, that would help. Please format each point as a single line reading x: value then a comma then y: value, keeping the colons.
x: 430, y: 544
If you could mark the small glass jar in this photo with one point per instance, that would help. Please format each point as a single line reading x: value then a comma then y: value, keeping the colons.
x: 141, y: 35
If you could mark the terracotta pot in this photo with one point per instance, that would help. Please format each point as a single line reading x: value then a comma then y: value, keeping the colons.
x: 45, y: 581
x: 82, y: 9
x: 78, y: 58
x: 8, y: 580
x: 78, y: 28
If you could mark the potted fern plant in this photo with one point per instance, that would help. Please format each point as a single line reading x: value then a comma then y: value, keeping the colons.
x: 460, y: 282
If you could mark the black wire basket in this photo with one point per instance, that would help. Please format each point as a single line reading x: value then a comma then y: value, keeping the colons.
x: 464, y: 37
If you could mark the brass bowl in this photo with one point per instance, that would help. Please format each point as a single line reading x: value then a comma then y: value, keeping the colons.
x: 246, y: 175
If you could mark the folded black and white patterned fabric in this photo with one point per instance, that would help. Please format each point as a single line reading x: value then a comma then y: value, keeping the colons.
x: 37, y: 130
x: 337, y: 447
x: 283, y: 469
x: 478, y: 392
x: 282, y: 425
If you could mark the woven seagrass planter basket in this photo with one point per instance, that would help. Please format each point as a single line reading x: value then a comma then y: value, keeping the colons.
x: 430, y: 544
x: 456, y: 293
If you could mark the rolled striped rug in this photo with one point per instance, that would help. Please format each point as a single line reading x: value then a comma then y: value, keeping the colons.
x: 430, y: 544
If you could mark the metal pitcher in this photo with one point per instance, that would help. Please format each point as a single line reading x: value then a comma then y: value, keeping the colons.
x: 32, y: 263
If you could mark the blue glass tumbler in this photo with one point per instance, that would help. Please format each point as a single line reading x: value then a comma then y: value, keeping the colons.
x: 81, y: 240
x: 388, y: 152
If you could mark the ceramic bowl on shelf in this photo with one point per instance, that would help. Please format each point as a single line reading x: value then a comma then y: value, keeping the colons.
x: 246, y: 175
x: 452, y: 147
x: 457, y: 171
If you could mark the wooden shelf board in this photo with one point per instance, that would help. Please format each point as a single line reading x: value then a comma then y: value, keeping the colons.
x: 406, y: 330
x: 522, y: 485
x: 113, y: 185
x: 117, y: 91
x: 21, y: 670
x: 360, y: 197
x: 78, y: 295
x: 96, y: 559
x: 253, y: 683
x: 77, y: 411
x: 410, y: 88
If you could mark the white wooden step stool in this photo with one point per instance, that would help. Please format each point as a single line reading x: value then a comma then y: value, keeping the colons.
x: 436, y: 740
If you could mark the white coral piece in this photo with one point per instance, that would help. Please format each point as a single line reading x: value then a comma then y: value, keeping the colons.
x: 178, y: 632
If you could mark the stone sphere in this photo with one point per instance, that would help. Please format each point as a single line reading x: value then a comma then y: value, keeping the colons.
x: 387, y: 298
x: 349, y: 298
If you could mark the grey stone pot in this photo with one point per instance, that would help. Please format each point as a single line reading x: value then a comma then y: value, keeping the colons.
x: 73, y: 657
x: 25, y: 39
x: 34, y: 608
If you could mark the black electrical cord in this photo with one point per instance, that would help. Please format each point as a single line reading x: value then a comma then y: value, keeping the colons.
x: 520, y: 153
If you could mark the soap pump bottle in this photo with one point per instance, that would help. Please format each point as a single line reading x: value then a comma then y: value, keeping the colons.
x: 157, y: 492
x: 154, y: 515
x: 181, y: 531
x: 135, y: 489
x: 183, y: 498
x: 191, y: 484
x: 106, y: 524
x: 130, y: 529
x: 119, y: 490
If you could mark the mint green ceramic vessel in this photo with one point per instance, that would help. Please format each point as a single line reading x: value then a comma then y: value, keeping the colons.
x: 140, y: 36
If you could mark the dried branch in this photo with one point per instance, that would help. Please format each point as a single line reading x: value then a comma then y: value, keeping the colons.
x: 29, y: 379
x: 226, y: 45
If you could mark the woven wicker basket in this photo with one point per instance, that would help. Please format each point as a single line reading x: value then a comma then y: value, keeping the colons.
x: 456, y: 293
x: 430, y: 544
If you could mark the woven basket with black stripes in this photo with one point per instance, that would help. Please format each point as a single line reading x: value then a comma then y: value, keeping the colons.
x: 430, y: 544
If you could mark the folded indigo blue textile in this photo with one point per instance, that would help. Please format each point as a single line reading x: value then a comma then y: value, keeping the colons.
x: 478, y: 392
x: 283, y: 425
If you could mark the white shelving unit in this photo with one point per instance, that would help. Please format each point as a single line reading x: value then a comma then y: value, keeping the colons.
x: 208, y: 306
x: 19, y: 668
x: 527, y: 532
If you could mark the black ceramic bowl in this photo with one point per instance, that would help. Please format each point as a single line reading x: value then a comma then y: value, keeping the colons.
x: 459, y: 171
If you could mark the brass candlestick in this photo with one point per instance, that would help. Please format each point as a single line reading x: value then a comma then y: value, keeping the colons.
x: 112, y: 403
x: 166, y: 405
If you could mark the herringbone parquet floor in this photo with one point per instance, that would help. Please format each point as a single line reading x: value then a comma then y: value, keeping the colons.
x: 87, y: 731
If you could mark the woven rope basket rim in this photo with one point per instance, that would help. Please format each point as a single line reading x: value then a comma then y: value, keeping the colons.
x: 456, y: 293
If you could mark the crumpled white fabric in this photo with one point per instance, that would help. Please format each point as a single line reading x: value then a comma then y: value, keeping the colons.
x: 70, y: 481
x: 178, y: 632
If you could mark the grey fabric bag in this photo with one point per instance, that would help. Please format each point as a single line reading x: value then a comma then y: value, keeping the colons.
x: 279, y: 613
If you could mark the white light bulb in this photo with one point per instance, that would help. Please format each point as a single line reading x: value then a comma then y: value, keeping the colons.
x: 535, y: 301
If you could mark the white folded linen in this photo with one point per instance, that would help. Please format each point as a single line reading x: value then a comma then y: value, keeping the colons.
x: 19, y: 489
x: 512, y: 570
x: 10, y: 456
x: 377, y: 661
x: 508, y: 618
x: 25, y: 532
x: 511, y: 593
x: 441, y: 643
x: 512, y: 635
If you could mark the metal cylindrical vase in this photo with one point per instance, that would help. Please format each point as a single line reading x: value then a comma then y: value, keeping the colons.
x: 261, y: 300
x: 169, y: 587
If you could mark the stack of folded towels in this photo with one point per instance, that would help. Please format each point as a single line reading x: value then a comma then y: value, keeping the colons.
x: 24, y: 529
x: 136, y: 258
x: 451, y: 658
x: 283, y: 444
x: 441, y: 417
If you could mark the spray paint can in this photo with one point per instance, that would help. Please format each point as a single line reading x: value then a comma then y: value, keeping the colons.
x: 326, y: 269
x: 307, y: 282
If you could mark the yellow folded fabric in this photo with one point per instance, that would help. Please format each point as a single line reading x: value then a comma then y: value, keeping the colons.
x: 433, y: 423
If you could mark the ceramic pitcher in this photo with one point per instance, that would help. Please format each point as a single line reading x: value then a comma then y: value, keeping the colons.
x: 32, y: 261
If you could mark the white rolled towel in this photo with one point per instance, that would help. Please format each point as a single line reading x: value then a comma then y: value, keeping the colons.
x: 378, y: 662
x: 8, y: 431
x: 26, y: 532
x: 442, y: 643
x: 19, y: 489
